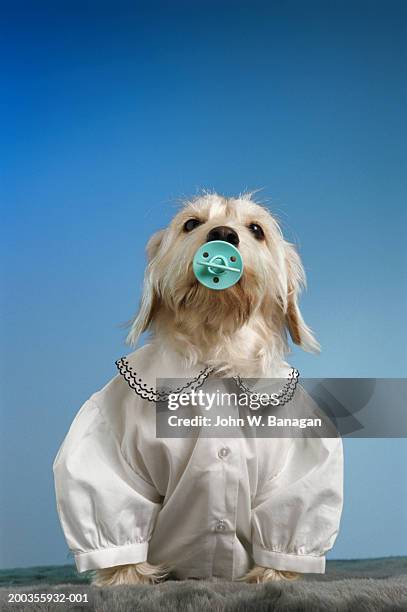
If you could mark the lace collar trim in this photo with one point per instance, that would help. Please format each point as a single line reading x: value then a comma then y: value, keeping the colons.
x: 135, y: 381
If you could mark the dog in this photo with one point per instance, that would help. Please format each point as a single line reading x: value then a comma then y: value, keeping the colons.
x: 275, y: 527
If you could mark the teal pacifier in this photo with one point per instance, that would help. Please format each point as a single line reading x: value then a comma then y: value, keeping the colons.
x: 217, y: 264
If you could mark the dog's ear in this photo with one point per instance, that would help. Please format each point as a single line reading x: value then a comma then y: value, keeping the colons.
x: 300, y: 333
x: 154, y: 244
x: 149, y: 299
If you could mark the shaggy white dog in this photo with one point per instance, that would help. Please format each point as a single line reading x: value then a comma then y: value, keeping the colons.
x: 241, y: 330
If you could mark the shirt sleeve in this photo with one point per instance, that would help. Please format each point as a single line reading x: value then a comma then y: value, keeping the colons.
x: 107, y: 511
x: 296, y: 516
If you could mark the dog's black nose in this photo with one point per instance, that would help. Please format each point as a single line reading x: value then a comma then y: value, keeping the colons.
x: 222, y: 232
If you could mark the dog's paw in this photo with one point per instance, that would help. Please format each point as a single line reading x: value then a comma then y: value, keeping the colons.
x: 258, y: 575
x: 139, y: 573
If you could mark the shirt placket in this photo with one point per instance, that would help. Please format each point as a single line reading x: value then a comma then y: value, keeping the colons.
x: 228, y: 455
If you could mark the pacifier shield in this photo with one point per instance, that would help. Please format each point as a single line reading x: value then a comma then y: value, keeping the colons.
x: 218, y: 264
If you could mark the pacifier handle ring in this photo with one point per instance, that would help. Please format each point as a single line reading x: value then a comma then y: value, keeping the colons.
x: 208, y: 264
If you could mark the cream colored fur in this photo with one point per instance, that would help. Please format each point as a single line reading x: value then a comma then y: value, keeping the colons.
x: 238, y: 330
x: 259, y: 574
x: 138, y: 573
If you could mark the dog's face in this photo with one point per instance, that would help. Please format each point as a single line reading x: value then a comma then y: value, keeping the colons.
x: 268, y: 288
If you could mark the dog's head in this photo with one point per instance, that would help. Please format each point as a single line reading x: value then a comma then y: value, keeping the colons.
x: 268, y: 289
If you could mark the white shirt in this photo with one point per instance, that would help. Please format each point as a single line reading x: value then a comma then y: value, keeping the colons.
x: 204, y: 506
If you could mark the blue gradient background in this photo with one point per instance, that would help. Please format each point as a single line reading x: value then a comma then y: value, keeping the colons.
x: 109, y: 113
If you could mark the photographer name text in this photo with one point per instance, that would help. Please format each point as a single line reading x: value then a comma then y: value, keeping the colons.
x: 249, y: 420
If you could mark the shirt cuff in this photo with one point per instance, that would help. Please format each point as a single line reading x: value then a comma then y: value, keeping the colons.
x: 110, y: 557
x: 303, y: 564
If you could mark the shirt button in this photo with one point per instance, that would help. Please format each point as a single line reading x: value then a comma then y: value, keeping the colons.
x: 223, y: 452
x: 221, y: 525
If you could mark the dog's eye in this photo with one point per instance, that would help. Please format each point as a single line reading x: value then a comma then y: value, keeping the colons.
x: 257, y: 231
x: 191, y: 224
